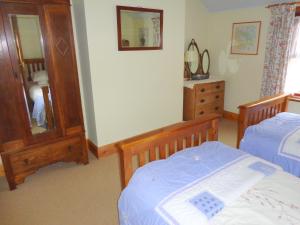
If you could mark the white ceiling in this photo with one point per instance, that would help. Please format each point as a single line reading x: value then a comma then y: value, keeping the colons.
x: 221, y: 5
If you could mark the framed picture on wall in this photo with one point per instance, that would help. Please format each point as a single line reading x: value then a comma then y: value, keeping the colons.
x: 139, y: 28
x: 245, y: 38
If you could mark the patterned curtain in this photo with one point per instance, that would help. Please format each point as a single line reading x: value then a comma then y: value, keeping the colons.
x: 156, y: 33
x: 279, y: 40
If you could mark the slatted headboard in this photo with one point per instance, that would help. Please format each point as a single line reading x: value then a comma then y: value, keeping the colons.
x: 164, y: 142
x: 255, y: 112
x: 34, y: 65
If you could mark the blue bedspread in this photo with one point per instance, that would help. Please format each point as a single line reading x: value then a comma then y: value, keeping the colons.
x: 155, y: 181
x: 265, y: 140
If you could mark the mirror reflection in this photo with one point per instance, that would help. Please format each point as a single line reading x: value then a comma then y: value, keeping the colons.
x: 140, y: 29
x: 34, y: 76
x: 192, y: 57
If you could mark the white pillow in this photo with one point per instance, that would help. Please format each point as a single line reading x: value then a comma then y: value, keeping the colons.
x: 35, y: 91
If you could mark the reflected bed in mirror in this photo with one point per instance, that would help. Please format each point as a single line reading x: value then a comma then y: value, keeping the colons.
x: 34, y: 76
x: 139, y: 28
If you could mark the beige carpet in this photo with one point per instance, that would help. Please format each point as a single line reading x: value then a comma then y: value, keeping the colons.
x: 67, y: 194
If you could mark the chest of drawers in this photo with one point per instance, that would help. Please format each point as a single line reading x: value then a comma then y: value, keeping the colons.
x: 202, y: 99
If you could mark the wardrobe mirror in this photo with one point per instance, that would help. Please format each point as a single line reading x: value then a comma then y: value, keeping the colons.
x: 32, y: 72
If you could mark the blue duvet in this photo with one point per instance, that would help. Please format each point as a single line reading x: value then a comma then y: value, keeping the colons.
x: 266, y: 140
x: 153, y: 182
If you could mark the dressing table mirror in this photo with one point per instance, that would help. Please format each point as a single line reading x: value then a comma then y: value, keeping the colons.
x: 197, y: 64
x: 193, y: 59
x: 205, y: 63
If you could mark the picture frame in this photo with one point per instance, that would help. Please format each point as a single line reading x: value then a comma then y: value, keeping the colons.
x: 139, y: 28
x: 245, y: 38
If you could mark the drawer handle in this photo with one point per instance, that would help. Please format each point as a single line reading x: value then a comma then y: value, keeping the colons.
x: 202, y: 100
x: 201, y: 113
x: 27, y: 162
x: 217, y: 96
x: 70, y: 148
x: 203, y: 89
x: 216, y: 108
x: 218, y: 86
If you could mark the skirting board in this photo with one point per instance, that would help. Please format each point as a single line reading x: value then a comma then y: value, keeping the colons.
x: 231, y: 116
x: 102, y: 151
x: 110, y: 149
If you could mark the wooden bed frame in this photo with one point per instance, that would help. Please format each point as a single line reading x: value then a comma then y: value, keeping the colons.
x: 161, y: 143
x: 33, y: 65
x: 255, y: 112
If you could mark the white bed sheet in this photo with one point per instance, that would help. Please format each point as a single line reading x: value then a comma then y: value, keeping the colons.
x: 273, y: 201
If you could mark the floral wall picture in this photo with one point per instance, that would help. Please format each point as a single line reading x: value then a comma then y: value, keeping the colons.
x: 245, y: 38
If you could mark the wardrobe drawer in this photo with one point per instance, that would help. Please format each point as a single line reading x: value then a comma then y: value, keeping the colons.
x: 34, y: 158
x: 209, y: 87
x: 202, y: 110
x: 209, y: 98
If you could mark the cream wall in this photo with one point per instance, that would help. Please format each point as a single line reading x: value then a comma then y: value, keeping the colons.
x: 294, y: 107
x: 134, y: 91
x: 242, y: 73
x: 127, y: 93
x: 197, y: 21
x: 79, y: 26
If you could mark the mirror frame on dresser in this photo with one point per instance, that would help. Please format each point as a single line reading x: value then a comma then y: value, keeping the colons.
x: 193, y: 44
x: 208, y: 57
x: 22, y: 152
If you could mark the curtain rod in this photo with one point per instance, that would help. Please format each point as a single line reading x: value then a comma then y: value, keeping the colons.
x: 287, y: 3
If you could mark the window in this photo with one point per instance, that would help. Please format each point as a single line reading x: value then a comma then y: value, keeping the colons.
x: 293, y: 74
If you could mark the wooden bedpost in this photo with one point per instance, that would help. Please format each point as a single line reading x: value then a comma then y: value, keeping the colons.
x: 126, y: 167
x: 213, y: 132
x: 242, y: 123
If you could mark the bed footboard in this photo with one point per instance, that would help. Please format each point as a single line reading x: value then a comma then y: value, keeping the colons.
x: 255, y: 112
x: 161, y: 143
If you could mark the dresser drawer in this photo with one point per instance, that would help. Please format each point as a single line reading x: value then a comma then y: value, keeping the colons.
x: 203, y: 99
x: 202, y: 110
x: 209, y: 87
x: 35, y: 158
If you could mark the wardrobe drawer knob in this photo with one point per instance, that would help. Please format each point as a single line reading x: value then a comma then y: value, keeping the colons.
x: 201, y: 113
x: 27, y: 162
x: 218, y: 86
x: 217, y: 96
x: 202, y: 100
x: 70, y: 148
x: 216, y: 108
x: 203, y: 89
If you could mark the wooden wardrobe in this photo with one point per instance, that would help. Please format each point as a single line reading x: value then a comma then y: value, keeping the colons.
x: 41, y: 119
